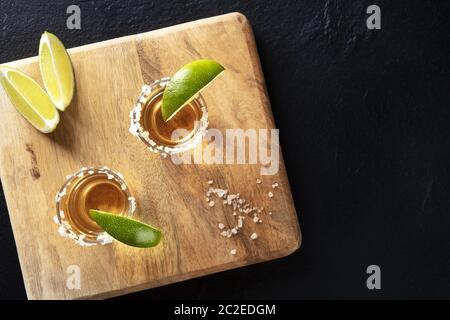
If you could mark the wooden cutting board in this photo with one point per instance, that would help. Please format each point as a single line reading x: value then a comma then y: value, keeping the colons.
x: 94, y: 132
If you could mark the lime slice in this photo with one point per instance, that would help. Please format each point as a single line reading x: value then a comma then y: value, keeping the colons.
x: 186, y: 83
x: 56, y: 70
x: 29, y: 99
x: 125, y: 230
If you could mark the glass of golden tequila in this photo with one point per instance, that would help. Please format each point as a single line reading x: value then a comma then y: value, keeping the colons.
x: 91, y: 188
x: 183, y: 132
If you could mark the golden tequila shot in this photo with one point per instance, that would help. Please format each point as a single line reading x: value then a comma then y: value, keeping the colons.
x: 91, y: 188
x: 183, y: 132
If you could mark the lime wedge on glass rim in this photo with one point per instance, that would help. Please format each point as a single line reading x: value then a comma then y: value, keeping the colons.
x: 56, y: 70
x: 29, y: 99
x: 126, y: 230
x: 186, y: 84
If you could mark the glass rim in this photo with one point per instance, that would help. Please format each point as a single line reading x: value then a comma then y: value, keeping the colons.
x: 136, y: 128
x: 65, y: 227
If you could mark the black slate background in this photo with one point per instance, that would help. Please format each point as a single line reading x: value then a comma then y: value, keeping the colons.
x: 364, y: 124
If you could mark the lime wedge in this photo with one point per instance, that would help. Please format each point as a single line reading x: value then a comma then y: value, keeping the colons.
x: 186, y: 83
x: 125, y: 230
x: 29, y: 99
x: 56, y: 70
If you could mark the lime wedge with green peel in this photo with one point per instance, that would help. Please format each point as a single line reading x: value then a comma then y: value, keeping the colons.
x: 186, y: 84
x: 125, y: 230
x: 56, y: 70
x: 28, y: 97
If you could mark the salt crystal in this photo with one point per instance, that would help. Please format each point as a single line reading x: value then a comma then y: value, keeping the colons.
x: 270, y: 194
x: 254, y: 236
x: 104, y: 238
x: 221, y: 226
x: 132, y: 202
x: 56, y: 219
x: 211, y: 203
x: 233, y: 252
x: 258, y: 181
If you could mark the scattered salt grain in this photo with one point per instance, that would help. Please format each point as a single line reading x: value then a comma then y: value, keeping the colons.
x: 210, y: 182
x: 270, y: 194
x: 258, y: 181
x: 274, y: 185
x: 233, y: 252
x: 211, y: 203
x: 254, y: 236
x: 221, y: 226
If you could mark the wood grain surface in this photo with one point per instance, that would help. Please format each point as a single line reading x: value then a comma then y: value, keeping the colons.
x: 94, y: 132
